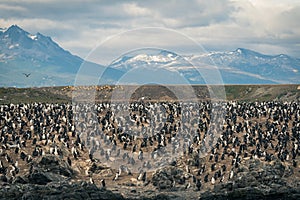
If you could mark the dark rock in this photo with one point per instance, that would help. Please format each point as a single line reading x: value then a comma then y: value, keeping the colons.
x: 166, y: 177
x: 20, y: 180
x: 96, y: 168
x: 261, y: 181
x: 245, y: 180
x: 260, y: 173
x: 288, y: 172
x: 252, y: 193
x: 49, y: 160
x: 57, y: 191
x: 242, y: 169
x: 51, y: 163
x: 39, y: 178
x: 254, y: 164
x: 277, y: 168
x: 3, y: 178
x: 224, y: 186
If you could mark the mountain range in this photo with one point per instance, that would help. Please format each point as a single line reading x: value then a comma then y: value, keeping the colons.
x: 50, y: 65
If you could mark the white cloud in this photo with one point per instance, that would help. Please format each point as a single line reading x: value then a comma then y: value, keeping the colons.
x: 262, y: 18
x: 133, y: 9
x: 36, y: 25
x: 11, y: 8
x: 267, y: 26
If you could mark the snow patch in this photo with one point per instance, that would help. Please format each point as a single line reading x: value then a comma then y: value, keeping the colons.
x: 153, y: 58
x: 33, y: 37
x: 4, y: 57
x: 13, y: 46
x: 3, y: 30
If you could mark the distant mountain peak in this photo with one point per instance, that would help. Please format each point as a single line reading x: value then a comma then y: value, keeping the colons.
x: 145, y: 57
x: 239, y: 50
x: 23, y: 52
x: 247, y: 52
x: 167, y: 53
x: 15, y: 29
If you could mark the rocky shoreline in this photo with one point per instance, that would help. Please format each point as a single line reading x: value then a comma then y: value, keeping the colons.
x: 89, y: 191
x: 51, y: 179
x: 259, y: 181
x: 56, y: 191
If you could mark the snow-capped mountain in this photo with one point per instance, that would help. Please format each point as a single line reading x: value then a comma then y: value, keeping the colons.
x: 17, y: 44
x: 241, y: 66
x: 48, y: 64
x: 148, y: 58
x: 275, y: 69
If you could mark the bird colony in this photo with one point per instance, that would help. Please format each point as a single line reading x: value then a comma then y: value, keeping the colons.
x: 207, y: 140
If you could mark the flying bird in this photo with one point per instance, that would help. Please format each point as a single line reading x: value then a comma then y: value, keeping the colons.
x: 27, y: 75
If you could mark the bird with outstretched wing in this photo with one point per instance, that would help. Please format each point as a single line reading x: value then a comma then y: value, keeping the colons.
x: 27, y: 75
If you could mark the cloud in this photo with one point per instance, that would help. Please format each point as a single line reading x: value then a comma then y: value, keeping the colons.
x: 11, y: 8
x: 267, y: 26
x: 132, y: 9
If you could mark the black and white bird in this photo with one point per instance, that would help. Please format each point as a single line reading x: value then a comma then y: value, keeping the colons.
x: 198, y: 184
x: 92, y: 180
x: 69, y: 161
x: 27, y: 75
x: 103, y: 183
x: 116, y: 177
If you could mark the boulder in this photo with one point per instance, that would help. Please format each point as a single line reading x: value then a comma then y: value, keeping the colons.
x: 96, y: 168
x: 39, y: 178
x: 245, y: 180
x: 57, y: 191
x: 3, y: 178
x: 51, y: 163
x: 257, y: 180
x: 166, y: 177
x: 20, y: 179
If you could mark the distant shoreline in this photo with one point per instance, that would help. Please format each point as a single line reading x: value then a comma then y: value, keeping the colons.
x: 103, y: 93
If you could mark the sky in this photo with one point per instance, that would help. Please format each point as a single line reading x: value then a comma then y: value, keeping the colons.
x: 268, y: 26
